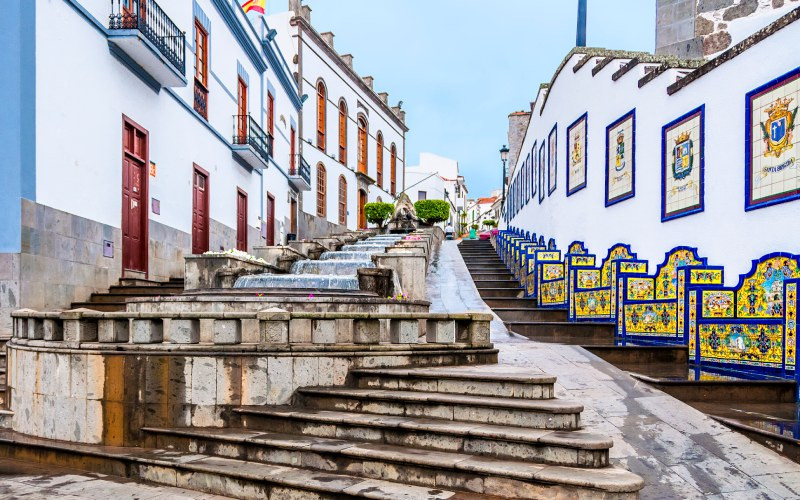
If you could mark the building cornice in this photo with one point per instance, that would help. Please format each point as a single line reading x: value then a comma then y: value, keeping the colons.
x: 307, y: 28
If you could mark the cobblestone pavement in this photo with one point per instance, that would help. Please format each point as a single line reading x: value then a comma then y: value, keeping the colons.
x: 678, y: 451
x: 33, y: 481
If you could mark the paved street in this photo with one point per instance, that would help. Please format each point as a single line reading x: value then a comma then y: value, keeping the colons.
x: 678, y: 451
x: 32, y: 481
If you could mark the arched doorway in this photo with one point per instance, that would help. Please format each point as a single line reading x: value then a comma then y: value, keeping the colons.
x: 362, y: 216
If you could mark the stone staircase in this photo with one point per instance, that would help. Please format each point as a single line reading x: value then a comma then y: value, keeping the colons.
x: 127, y: 289
x: 505, y: 296
x: 460, y: 432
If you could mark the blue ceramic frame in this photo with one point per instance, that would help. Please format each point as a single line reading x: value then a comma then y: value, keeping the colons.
x: 749, y: 204
x: 701, y: 111
x: 552, y: 183
x: 534, y: 169
x: 632, y: 192
x: 541, y: 172
x: 574, y: 124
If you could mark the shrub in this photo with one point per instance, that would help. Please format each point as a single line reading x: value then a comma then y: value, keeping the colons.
x: 378, y: 213
x: 474, y: 226
x: 490, y: 223
x: 432, y: 211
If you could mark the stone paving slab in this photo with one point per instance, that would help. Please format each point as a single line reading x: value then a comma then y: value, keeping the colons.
x: 28, y: 480
x: 679, y: 451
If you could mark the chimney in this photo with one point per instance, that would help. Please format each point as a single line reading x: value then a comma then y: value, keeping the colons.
x: 348, y: 60
x: 305, y: 12
x: 384, y: 97
x: 294, y: 6
x: 402, y: 116
x: 370, y: 81
x: 328, y: 38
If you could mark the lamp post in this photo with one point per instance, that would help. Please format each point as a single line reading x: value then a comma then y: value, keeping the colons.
x: 504, y: 158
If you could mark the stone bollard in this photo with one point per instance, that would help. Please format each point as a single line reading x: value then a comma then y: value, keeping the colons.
x: 113, y: 330
x: 404, y: 331
x: 441, y: 331
x: 366, y: 331
x: 273, y: 326
x: 77, y: 328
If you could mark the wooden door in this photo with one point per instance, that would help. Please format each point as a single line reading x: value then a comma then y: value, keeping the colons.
x: 362, y: 216
x: 241, y: 113
x: 134, y: 197
x: 241, y: 220
x: 270, y: 220
x: 200, y: 230
x: 293, y: 217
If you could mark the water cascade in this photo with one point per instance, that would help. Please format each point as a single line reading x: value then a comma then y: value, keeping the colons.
x: 333, y: 271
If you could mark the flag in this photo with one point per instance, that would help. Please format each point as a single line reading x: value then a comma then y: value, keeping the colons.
x: 254, y: 5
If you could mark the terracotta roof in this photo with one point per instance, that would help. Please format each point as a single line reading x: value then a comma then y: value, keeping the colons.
x: 482, y: 201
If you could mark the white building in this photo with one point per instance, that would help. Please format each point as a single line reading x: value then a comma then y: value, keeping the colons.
x: 351, y: 138
x: 667, y: 152
x: 482, y: 209
x: 135, y: 134
x: 438, y: 178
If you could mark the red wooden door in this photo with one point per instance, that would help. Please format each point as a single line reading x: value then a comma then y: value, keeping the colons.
x: 134, y: 197
x: 200, y: 211
x: 270, y: 220
x: 241, y: 117
x: 241, y: 220
x: 293, y: 217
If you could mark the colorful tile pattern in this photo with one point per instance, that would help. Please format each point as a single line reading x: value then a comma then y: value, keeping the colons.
x: 667, y: 278
x: 576, y: 154
x: 640, y: 288
x: 705, y: 276
x: 761, y: 293
x: 718, y: 304
x: 742, y: 344
x: 619, y: 252
x: 593, y: 304
x: 651, y: 319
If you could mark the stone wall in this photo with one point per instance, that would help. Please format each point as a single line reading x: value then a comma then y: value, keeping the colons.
x: 168, y: 247
x: 9, y: 291
x: 693, y: 29
x: 310, y: 226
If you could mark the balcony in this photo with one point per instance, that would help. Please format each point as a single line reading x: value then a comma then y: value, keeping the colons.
x: 300, y: 177
x: 250, y: 143
x: 145, y: 34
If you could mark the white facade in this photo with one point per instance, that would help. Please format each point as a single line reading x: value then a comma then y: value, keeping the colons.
x: 80, y: 78
x: 438, y: 178
x: 484, y: 209
x: 315, y: 61
x: 723, y: 231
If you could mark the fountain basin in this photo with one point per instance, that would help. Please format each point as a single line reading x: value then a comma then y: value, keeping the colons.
x: 302, y: 281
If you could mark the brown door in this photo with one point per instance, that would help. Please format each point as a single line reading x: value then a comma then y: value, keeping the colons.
x: 293, y: 217
x: 200, y: 211
x: 241, y: 117
x: 270, y: 220
x: 362, y: 216
x: 241, y: 220
x: 134, y: 197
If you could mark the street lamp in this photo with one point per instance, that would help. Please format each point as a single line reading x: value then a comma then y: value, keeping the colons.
x: 504, y: 158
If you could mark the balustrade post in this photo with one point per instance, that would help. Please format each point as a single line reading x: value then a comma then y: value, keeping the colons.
x: 273, y: 326
x: 404, y: 331
x: 77, y: 328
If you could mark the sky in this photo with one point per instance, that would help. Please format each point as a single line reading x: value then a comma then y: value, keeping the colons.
x: 461, y: 66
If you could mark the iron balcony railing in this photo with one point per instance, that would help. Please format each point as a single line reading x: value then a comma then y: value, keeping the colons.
x: 303, y: 171
x: 147, y: 17
x: 246, y: 131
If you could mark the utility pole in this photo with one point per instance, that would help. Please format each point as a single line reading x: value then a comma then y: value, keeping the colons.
x: 580, y: 39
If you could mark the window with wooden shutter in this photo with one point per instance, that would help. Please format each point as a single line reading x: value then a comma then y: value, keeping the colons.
x: 379, y: 160
x: 393, y: 168
x: 322, y: 100
x: 321, y: 190
x: 342, y: 200
x: 362, y: 145
x: 293, y: 151
x: 270, y: 114
x: 343, y: 132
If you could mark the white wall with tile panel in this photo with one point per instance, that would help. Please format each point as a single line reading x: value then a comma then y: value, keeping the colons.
x: 723, y: 231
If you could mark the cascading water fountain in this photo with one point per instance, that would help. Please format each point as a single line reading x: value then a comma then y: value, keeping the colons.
x: 333, y: 271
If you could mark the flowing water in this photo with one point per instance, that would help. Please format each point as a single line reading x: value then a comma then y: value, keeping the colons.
x: 333, y: 271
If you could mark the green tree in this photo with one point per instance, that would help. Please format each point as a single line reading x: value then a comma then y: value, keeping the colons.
x: 490, y: 223
x: 378, y: 213
x: 432, y: 211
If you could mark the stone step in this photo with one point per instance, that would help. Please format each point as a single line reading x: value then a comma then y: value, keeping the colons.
x: 554, y: 414
x: 471, y: 381
x: 485, y: 270
x: 567, y: 448
x: 104, y: 298
x: 418, y: 467
x: 146, y: 291
x: 562, y: 332
x: 530, y: 314
x: 511, y: 302
x: 484, y: 275
x: 507, y: 283
x: 218, y: 475
x: 501, y: 292
x: 100, y: 306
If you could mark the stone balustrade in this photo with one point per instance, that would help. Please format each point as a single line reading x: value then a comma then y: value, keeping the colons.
x: 271, y: 329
